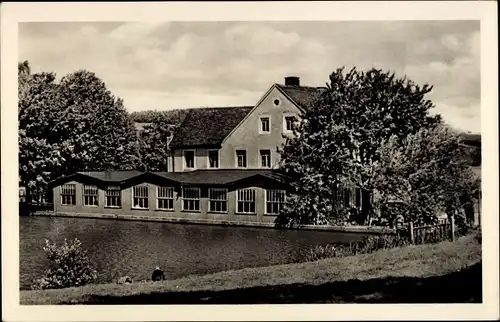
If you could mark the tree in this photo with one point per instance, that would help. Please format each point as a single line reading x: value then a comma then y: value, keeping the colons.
x: 38, y: 108
x: 95, y: 128
x: 426, y: 173
x: 338, y: 140
x: 154, y: 141
x: 70, y: 266
x: 72, y: 125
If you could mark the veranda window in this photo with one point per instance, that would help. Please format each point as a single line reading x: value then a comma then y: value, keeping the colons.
x: 113, y: 197
x: 90, y: 197
x: 166, y: 198
x: 140, y: 197
x: 218, y: 200
x: 274, y: 201
x: 246, y: 201
x: 190, y: 199
x: 68, y: 194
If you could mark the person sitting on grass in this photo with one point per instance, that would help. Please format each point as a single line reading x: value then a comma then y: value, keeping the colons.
x: 158, y: 275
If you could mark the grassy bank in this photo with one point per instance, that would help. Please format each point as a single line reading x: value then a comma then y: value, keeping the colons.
x: 444, y: 272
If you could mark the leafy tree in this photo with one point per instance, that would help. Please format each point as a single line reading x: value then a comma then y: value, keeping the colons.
x: 154, y: 141
x: 338, y: 140
x: 96, y: 130
x: 72, y: 125
x: 70, y: 266
x: 426, y: 173
x: 37, y: 114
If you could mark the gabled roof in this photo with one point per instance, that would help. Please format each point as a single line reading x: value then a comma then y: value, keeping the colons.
x: 196, y: 177
x: 219, y: 176
x: 302, y: 96
x: 208, y: 127
x: 111, y: 176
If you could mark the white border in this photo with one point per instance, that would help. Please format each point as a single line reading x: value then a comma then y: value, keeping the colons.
x: 12, y: 13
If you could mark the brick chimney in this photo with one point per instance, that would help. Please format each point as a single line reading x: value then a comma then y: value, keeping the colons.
x: 292, y: 81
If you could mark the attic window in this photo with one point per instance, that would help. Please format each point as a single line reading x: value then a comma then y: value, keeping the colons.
x: 277, y: 102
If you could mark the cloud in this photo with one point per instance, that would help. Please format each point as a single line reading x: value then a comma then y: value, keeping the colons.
x: 225, y: 63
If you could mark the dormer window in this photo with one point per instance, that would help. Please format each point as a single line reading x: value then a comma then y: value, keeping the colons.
x: 265, y: 124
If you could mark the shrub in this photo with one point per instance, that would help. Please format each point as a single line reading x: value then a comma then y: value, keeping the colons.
x: 367, y: 245
x: 70, y: 266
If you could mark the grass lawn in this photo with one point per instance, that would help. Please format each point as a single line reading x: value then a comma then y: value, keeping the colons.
x: 435, y: 273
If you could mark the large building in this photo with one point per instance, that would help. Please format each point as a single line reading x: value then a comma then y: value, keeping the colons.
x: 221, y: 167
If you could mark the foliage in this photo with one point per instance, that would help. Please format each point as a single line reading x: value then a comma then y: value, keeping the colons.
x: 367, y: 245
x: 153, y: 141
x: 426, y: 174
x: 339, y: 136
x: 72, y: 125
x: 70, y: 266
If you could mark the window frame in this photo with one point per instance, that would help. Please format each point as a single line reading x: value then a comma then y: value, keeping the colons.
x: 238, y: 212
x: 183, y: 198
x: 280, y: 204
x: 237, y: 160
x: 225, y: 201
x: 285, y: 116
x: 85, y: 188
x: 73, y: 194
x: 218, y: 159
x: 158, y: 198
x: 141, y: 197
x: 106, y: 196
x: 260, y: 158
x: 184, y: 161
x: 261, y: 131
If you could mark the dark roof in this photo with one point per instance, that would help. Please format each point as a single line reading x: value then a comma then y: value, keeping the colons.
x: 208, y: 127
x: 218, y: 177
x: 196, y: 177
x: 303, y: 96
x: 111, y: 176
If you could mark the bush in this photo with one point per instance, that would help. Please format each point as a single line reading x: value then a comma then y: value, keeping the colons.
x: 367, y: 245
x: 70, y: 266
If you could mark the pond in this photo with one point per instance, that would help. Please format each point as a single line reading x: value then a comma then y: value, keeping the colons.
x: 118, y: 248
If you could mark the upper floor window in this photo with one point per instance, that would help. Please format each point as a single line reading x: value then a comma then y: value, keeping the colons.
x: 140, y: 197
x: 290, y: 123
x: 265, y: 158
x: 241, y: 158
x: 213, y: 159
x: 68, y: 194
x: 90, y: 195
x: 112, y: 197
x: 189, y: 159
x: 274, y: 201
x: 265, y: 125
x: 190, y: 199
x: 165, y: 196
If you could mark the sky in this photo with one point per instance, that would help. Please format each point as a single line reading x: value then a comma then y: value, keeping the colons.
x: 164, y: 66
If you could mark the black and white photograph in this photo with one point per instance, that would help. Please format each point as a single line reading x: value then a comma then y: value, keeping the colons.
x: 235, y: 161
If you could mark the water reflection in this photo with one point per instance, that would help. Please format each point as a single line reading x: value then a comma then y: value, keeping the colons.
x: 118, y: 248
